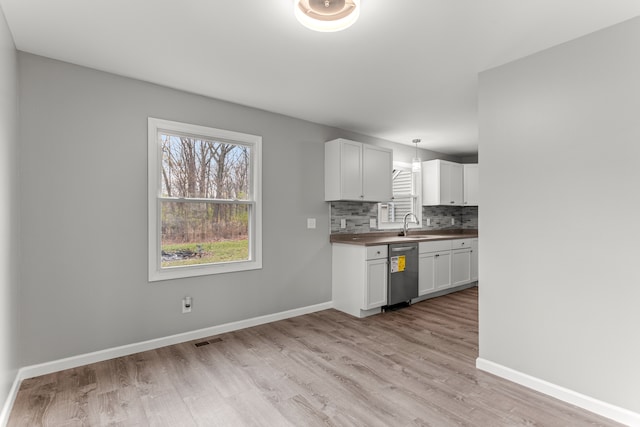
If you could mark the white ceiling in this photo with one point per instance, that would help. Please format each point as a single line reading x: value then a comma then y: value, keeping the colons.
x: 407, y: 69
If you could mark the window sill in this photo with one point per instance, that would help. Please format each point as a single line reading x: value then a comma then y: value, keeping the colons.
x: 202, y: 270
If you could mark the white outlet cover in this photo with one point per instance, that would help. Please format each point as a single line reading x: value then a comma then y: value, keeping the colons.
x: 311, y: 223
x: 373, y: 223
x: 343, y: 223
x: 186, y: 309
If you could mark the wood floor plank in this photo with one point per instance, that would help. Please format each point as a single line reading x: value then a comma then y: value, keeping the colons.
x: 411, y: 367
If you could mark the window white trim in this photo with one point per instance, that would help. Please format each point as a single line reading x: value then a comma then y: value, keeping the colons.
x: 154, y: 185
x: 417, y: 200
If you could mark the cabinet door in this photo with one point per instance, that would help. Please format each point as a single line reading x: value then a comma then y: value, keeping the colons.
x: 451, y: 184
x: 442, y: 261
x: 351, y: 170
x: 461, y: 266
x: 474, y: 260
x: 431, y: 183
x: 376, y: 285
x: 426, y: 274
x: 377, y: 173
x: 471, y: 187
x: 442, y: 183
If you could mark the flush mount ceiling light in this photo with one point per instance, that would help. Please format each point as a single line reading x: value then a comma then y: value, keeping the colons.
x: 327, y: 15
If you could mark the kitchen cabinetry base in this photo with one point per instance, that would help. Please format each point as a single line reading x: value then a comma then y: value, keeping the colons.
x: 444, y: 292
x: 359, y: 279
x: 359, y: 312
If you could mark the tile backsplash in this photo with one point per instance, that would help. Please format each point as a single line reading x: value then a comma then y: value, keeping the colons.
x: 358, y: 215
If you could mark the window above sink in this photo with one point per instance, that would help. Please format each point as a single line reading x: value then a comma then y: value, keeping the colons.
x: 406, y: 199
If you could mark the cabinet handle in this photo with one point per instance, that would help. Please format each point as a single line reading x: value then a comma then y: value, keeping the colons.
x: 378, y: 253
x: 452, y: 202
x: 437, y: 255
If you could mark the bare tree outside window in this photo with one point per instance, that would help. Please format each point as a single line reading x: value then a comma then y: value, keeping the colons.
x: 204, y: 185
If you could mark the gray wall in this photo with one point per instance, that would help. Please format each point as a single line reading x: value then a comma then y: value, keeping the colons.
x: 9, y: 224
x: 84, y: 214
x: 560, y: 140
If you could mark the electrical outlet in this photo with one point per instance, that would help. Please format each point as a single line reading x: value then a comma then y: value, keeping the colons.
x: 187, y: 305
x: 311, y: 223
x: 373, y: 223
x: 453, y: 221
x: 428, y: 221
x: 343, y: 223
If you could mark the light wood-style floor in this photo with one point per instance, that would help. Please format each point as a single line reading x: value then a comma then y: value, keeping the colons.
x: 411, y: 367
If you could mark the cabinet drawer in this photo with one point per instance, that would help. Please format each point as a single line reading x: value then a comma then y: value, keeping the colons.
x: 461, y: 243
x: 438, y: 245
x: 376, y: 252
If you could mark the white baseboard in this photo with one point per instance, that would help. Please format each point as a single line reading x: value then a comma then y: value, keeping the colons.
x: 596, y: 406
x: 125, y: 350
x: 8, y: 404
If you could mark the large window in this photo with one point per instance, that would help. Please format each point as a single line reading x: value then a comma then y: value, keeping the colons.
x: 406, y: 199
x: 204, y: 200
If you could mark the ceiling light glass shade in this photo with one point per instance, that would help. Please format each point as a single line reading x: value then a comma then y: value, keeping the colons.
x: 416, y: 163
x: 327, y: 15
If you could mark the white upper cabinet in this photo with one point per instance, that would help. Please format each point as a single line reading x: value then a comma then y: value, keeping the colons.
x: 471, y: 184
x: 442, y: 183
x: 356, y: 171
x: 377, y: 177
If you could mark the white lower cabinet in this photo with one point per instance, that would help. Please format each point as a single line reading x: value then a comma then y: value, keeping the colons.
x: 474, y: 260
x: 447, y: 264
x: 461, y: 262
x: 360, y: 274
x: 443, y: 270
x: 376, y: 285
x: 359, y: 278
x: 426, y: 273
x: 434, y: 271
x: 461, y: 267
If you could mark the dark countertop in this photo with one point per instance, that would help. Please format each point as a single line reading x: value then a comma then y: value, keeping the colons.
x: 391, y: 237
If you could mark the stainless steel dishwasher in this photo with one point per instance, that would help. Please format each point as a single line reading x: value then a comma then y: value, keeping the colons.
x: 403, y: 273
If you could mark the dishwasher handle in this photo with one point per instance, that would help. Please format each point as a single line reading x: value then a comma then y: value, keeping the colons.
x: 403, y: 249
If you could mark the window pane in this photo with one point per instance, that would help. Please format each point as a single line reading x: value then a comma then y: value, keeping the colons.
x: 403, y: 207
x: 203, y: 233
x: 200, y: 168
x: 402, y: 182
x: 404, y: 201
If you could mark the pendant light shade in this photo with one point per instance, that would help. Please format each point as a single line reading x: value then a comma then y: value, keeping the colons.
x: 416, y: 163
x: 327, y: 15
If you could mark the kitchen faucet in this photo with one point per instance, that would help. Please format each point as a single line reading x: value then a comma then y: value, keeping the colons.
x: 404, y: 222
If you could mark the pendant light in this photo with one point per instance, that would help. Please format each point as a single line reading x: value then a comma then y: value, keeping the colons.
x: 326, y: 15
x: 416, y: 163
